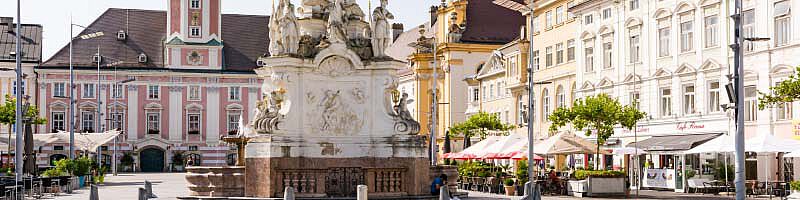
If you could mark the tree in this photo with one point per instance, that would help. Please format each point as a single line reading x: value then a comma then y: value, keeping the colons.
x: 8, y: 116
x: 785, y: 92
x: 479, y: 124
x: 596, y: 115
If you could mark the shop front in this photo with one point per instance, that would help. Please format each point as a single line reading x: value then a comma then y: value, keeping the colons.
x: 664, y: 166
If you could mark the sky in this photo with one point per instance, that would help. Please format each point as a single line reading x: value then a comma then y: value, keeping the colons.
x: 54, y: 15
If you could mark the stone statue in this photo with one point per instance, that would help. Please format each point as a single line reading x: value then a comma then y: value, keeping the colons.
x: 352, y: 11
x: 336, y: 33
x: 267, y: 114
x: 382, y: 30
x: 275, y: 36
x: 290, y: 35
x: 405, y: 123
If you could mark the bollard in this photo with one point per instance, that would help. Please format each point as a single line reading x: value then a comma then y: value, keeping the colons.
x: 362, y: 192
x: 444, y: 193
x: 94, y: 195
x: 148, y: 187
x: 142, y: 194
x: 535, y: 195
x: 288, y: 193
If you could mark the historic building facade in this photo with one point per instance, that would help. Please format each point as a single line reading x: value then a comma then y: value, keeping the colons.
x: 672, y: 59
x: 31, y: 57
x: 173, y: 81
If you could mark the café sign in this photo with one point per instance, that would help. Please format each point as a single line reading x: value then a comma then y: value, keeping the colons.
x: 689, y: 126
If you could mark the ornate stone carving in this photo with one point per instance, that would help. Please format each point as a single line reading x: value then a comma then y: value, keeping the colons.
x: 336, y: 116
x: 194, y: 58
x: 336, y: 66
x: 404, y: 122
x: 132, y: 88
x: 359, y: 95
x: 267, y: 112
x: 352, y: 11
x: 381, y: 29
x: 336, y: 33
x: 284, y: 33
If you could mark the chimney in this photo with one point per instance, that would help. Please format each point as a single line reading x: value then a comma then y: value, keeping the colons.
x: 397, y: 29
x: 433, y: 13
x: 8, y: 21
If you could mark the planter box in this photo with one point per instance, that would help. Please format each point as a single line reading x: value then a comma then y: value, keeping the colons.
x: 597, y: 187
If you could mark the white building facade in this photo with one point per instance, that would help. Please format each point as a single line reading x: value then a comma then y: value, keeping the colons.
x: 671, y: 57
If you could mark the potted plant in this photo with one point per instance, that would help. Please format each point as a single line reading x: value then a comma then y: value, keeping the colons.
x: 126, y: 161
x: 795, y: 186
x: 508, y: 184
x: 177, y: 161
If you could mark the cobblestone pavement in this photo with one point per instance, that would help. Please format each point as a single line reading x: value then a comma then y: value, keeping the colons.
x: 644, y: 194
x: 125, y: 187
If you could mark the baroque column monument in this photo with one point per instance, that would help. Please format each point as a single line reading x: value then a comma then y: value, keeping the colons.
x: 331, y: 117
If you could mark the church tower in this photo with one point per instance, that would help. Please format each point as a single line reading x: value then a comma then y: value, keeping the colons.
x: 194, y: 39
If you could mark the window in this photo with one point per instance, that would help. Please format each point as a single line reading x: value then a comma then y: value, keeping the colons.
x: 57, y: 120
x: 635, y: 99
x: 688, y: 99
x: 193, y: 148
x: 194, y: 31
x: 783, y: 111
x: 14, y: 88
x: 548, y: 58
x: 512, y: 66
x: 233, y: 122
x: 607, y: 55
x: 570, y: 50
x: 234, y: 93
x: 570, y: 15
x: 153, y: 123
x: 491, y: 91
x: 117, y: 121
x: 499, y: 90
x: 475, y: 94
x: 196, y: 158
x: 560, y: 15
x: 561, y: 98
x: 750, y: 104
x: 194, y: 93
x: 559, y: 53
x: 589, y: 51
x: 535, y: 25
x: 522, y: 110
x: 535, y: 60
x: 633, y: 4
x: 663, y: 41
x: 545, y: 105
x: 548, y: 20
x: 88, y: 90
x: 634, y: 49
x: 587, y: 19
x: 782, y: 23
x: 748, y: 28
x: 87, y: 121
x: 713, y: 97
x: 686, y: 35
x: 59, y: 90
x: 606, y: 13
x: 116, y: 91
x: 484, y: 93
x: 194, y: 4
x: 712, y: 30
x: 153, y: 91
x: 58, y: 148
x: 666, y: 102
x: 193, y: 120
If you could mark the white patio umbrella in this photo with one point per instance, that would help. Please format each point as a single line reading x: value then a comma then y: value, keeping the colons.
x: 495, y: 150
x: 564, y: 143
x: 628, y: 151
x: 472, y: 152
x: 794, y: 154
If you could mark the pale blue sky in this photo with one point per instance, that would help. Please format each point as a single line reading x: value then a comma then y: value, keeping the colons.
x: 54, y: 15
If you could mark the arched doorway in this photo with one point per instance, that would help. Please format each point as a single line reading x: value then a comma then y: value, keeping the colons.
x: 56, y: 157
x: 151, y: 160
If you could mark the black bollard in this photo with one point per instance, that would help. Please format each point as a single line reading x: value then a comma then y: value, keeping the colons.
x: 94, y: 193
x: 142, y: 194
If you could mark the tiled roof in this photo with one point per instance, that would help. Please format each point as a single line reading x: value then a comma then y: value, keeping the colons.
x: 31, y: 42
x: 490, y: 23
x: 244, y: 39
x: 400, y: 49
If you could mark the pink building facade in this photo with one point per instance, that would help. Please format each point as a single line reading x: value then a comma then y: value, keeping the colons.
x: 169, y: 80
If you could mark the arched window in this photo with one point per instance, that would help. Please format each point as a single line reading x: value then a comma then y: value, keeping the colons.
x: 545, y: 104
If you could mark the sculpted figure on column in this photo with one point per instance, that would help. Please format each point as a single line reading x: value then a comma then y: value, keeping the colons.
x: 275, y: 36
x: 336, y: 32
x: 382, y: 34
x: 290, y: 36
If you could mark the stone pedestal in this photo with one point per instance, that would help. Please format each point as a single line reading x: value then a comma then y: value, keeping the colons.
x: 216, y: 181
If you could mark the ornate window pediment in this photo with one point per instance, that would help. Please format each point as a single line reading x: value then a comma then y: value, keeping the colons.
x: 710, y: 65
x: 685, y: 69
x: 233, y: 107
x: 632, y: 78
x: 605, y: 83
x: 153, y: 106
x: 662, y: 73
x: 587, y: 86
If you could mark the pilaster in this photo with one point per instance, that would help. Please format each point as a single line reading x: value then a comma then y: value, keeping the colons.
x: 175, y: 113
x: 133, y: 113
x: 213, y: 113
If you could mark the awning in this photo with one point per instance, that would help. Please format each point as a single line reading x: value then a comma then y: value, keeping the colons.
x: 83, y: 141
x: 672, y: 142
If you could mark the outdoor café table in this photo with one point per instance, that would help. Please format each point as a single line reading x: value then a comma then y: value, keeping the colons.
x: 777, y: 188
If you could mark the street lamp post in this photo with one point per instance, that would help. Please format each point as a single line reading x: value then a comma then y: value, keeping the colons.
x: 18, y: 119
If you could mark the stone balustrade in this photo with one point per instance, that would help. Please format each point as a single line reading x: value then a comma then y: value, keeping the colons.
x: 216, y: 181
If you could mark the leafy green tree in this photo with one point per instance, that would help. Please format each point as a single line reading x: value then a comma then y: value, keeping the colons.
x: 596, y: 115
x: 8, y: 115
x: 480, y: 124
x: 785, y: 92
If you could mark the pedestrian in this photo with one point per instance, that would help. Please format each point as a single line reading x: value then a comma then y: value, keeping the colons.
x: 190, y: 162
x: 438, y: 182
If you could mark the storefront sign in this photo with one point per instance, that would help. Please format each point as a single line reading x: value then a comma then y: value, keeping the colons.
x: 659, y: 178
x: 796, y: 129
x: 640, y: 129
x: 689, y: 125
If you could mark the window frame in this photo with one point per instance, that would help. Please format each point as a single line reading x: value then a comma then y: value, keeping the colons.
x: 231, y: 124
x: 55, y: 120
x: 153, y: 123
x: 85, y: 91
x: 153, y: 92
x: 689, y: 99
x: 687, y: 36
x: 190, y: 122
x: 88, y: 119
x: 60, y: 88
x: 714, y: 96
x: 190, y: 90
x: 234, y: 93
x: 199, y: 4
x: 666, y: 102
x: 588, y: 53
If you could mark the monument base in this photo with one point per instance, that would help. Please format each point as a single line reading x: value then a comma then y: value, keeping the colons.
x: 337, y: 177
